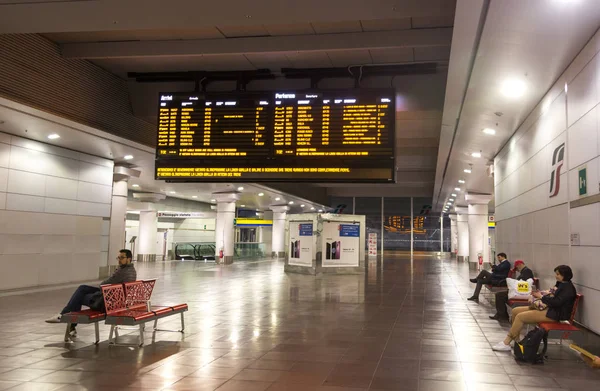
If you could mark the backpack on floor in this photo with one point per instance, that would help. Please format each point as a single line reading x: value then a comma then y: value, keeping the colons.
x: 527, y: 350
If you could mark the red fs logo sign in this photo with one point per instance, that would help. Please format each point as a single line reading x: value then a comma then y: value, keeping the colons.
x: 558, y: 158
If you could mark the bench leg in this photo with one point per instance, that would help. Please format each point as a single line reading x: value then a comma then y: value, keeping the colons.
x: 110, y: 336
x: 182, y: 323
x: 142, y: 334
x: 155, y: 324
x: 97, y: 329
x: 67, y: 336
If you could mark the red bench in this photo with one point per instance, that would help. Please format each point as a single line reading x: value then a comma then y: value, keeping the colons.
x: 565, y: 327
x: 83, y: 317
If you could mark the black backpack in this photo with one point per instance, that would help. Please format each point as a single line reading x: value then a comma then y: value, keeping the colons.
x: 527, y: 350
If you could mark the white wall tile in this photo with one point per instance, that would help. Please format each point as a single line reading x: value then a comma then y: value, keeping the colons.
x: 583, y: 139
x: 58, y: 244
x: 584, y: 262
x: 21, y: 244
x: 89, y: 225
x: 106, y: 227
x: 13, y: 270
x: 93, y: 209
x: 91, y: 192
x: 95, y: 174
x: 2, y: 201
x: 585, y: 221
x: 42, y: 147
x: 24, y: 203
x: 56, y: 205
x: 4, y: 155
x: 61, y: 188
x: 96, y: 160
x: 104, y: 241
x: 21, y: 182
x: 53, y: 268
x: 557, y: 218
x: 588, y: 313
x: 57, y: 224
x: 88, y: 244
x: 583, y: 92
x: 3, y: 179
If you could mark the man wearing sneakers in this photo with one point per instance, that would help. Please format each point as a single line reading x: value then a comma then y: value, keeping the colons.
x: 84, y: 295
x: 496, y: 278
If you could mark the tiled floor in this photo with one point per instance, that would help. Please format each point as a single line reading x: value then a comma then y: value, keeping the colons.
x: 403, y: 326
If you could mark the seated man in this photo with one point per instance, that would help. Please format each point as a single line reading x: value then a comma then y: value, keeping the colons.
x: 496, y: 278
x: 525, y: 274
x: 84, y: 295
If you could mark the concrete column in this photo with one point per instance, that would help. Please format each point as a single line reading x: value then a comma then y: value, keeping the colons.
x: 224, y: 230
x: 478, y: 228
x: 462, y: 225
x: 453, y: 235
x: 146, y: 247
x: 279, y: 215
x: 118, y: 215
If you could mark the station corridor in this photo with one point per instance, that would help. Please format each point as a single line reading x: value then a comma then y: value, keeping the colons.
x: 405, y: 325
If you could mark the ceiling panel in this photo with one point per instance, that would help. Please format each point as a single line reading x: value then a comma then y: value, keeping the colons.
x: 290, y: 29
x: 433, y: 21
x: 141, y: 35
x: 383, y: 56
x: 271, y: 61
x: 344, y: 58
x: 386, y: 24
x: 309, y: 59
x: 243, y: 31
x: 433, y: 53
x: 337, y: 27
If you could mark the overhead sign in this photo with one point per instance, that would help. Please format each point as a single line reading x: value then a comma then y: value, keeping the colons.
x: 181, y: 215
x: 326, y: 136
x: 241, y: 222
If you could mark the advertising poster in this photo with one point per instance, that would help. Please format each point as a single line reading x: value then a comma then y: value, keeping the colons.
x: 301, y: 244
x: 340, y: 244
x: 372, y: 244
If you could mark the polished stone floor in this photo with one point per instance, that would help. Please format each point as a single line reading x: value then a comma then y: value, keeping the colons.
x: 404, y: 326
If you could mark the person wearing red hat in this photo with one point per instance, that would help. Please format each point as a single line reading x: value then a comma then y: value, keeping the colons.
x: 525, y: 273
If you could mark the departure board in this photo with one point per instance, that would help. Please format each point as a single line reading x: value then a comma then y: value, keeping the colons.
x: 310, y: 136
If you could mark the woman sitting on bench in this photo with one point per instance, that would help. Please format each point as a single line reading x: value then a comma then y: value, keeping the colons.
x: 551, y: 307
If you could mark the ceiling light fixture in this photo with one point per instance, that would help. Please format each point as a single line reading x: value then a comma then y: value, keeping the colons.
x: 302, y: 206
x: 128, y: 157
x: 476, y: 154
x: 489, y: 131
x: 277, y: 199
x: 241, y: 188
x: 53, y: 136
x: 135, y: 185
x: 312, y: 208
x: 457, y: 189
x: 291, y: 202
x: 194, y: 196
x: 242, y: 206
x: 513, y: 88
x: 213, y: 200
x: 451, y: 199
x: 261, y: 194
x: 453, y: 194
x: 320, y: 210
x: 461, y: 181
x: 171, y: 192
x: 467, y: 170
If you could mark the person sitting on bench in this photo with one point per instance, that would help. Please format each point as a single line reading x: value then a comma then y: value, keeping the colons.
x: 525, y: 274
x: 86, y: 294
x: 551, y: 307
x: 496, y: 278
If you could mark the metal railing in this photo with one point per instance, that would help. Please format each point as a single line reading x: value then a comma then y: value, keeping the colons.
x: 194, y: 251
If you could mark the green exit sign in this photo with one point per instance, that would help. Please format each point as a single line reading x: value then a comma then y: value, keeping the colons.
x: 582, y: 181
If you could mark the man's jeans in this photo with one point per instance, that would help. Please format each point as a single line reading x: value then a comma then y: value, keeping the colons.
x: 82, y: 296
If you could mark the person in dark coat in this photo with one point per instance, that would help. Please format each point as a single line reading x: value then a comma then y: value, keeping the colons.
x: 525, y: 274
x: 496, y: 278
x: 559, y: 307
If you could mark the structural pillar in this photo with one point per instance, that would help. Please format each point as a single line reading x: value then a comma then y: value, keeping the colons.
x: 453, y: 235
x: 224, y: 230
x: 279, y: 216
x: 462, y: 227
x: 478, y: 229
x: 148, y: 229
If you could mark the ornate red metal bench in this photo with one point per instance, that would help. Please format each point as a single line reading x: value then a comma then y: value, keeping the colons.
x: 83, y: 317
x: 565, y: 328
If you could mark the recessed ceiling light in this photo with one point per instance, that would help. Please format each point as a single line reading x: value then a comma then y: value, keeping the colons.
x: 476, y: 154
x: 261, y: 194
x: 53, y: 136
x: 291, y: 202
x: 277, y: 199
x: 128, y: 157
x: 457, y: 188
x: 312, y: 208
x: 241, y: 188
x: 194, y: 196
x: 258, y: 214
x: 213, y: 200
x: 461, y: 181
x: 451, y: 199
x: 171, y: 192
x: 467, y: 170
x: 513, y: 88
x: 135, y: 185
x: 320, y: 210
x: 242, y: 206
x: 489, y: 131
x: 302, y: 206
